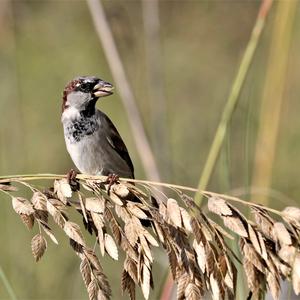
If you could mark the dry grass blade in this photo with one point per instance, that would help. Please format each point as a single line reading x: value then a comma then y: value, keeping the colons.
x: 8, y: 188
x: 251, y: 255
x: 131, y: 267
x: 174, y: 212
x: 197, y: 231
x: 39, y: 201
x: 47, y: 230
x: 38, y: 246
x: 85, y: 271
x: 120, y: 190
x: 192, y: 292
x: 98, y: 220
x: 22, y: 206
x: 131, y: 233
x: 28, y: 220
x: 264, y: 222
x: 219, y: 206
x: 146, y: 282
x: 254, y: 239
x: 62, y: 189
x: 296, y: 274
x: 83, y: 207
x: 282, y: 234
x: 186, y: 220
x: 292, y: 214
x: 274, y: 285
x: 215, y: 288
x: 199, y: 257
x: 150, y: 238
x: 128, y: 285
x: 93, y: 289
x: 73, y: 232
x: 136, y: 211
x: 111, y: 246
x: 172, y: 259
x: 252, y: 276
x: 235, y: 224
x: 56, y: 214
x: 94, y: 204
x: 182, y: 283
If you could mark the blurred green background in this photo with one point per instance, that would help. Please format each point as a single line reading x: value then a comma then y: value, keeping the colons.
x: 46, y: 43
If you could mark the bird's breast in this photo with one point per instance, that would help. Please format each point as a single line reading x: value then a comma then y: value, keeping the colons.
x: 81, y: 141
x: 78, y: 129
x: 85, y: 155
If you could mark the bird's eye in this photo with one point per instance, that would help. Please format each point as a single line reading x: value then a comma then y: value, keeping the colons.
x: 84, y: 86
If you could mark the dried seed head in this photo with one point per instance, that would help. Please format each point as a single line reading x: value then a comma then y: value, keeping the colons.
x: 38, y: 246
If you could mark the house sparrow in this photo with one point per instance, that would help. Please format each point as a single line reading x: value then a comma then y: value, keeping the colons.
x: 92, y: 140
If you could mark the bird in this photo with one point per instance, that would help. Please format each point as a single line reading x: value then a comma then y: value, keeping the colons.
x: 91, y: 138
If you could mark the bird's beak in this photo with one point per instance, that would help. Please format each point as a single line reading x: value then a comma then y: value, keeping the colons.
x: 103, y: 89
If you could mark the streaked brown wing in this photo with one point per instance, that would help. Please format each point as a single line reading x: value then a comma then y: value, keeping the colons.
x: 117, y: 144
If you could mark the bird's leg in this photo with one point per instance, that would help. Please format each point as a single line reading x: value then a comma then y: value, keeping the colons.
x: 73, y: 181
x: 111, y: 179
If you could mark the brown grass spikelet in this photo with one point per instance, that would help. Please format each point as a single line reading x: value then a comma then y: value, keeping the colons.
x: 28, y: 220
x: 72, y: 230
x: 62, y: 189
x: 131, y: 232
x: 146, y: 275
x: 173, y: 211
x: 48, y: 231
x: 8, y: 187
x: 120, y: 190
x: 218, y: 206
x: 192, y: 292
x: 250, y: 254
x: 182, y: 283
x: 264, y: 222
x: 197, y: 231
x: 292, y: 215
x: 22, y: 206
x: 136, y: 210
x: 85, y: 271
x: 38, y: 246
x: 39, y: 201
x: 110, y: 246
x: 127, y: 284
x: 186, y: 220
x: 281, y: 233
x: 56, y: 214
x: 252, y: 276
x: 92, y: 289
x: 253, y: 235
x: 274, y: 284
x: 95, y: 204
x: 296, y: 274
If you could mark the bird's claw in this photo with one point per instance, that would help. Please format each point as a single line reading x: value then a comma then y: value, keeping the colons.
x: 73, y: 181
x: 111, y: 179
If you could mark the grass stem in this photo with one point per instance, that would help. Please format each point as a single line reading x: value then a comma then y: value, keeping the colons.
x: 233, y: 98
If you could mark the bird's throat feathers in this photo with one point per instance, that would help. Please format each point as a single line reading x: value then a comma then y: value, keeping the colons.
x: 78, y: 126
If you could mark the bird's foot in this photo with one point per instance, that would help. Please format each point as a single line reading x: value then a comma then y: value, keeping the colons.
x: 111, y: 179
x: 73, y: 181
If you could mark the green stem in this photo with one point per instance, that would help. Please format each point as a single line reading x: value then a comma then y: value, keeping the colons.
x: 233, y: 98
x: 7, y: 285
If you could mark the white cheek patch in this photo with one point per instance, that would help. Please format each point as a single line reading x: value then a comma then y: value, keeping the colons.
x: 77, y: 98
x: 70, y: 113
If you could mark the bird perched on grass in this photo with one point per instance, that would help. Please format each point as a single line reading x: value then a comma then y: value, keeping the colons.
x: 92, y: 140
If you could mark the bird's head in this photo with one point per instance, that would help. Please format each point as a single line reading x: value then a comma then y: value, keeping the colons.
x: 83, y: 92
